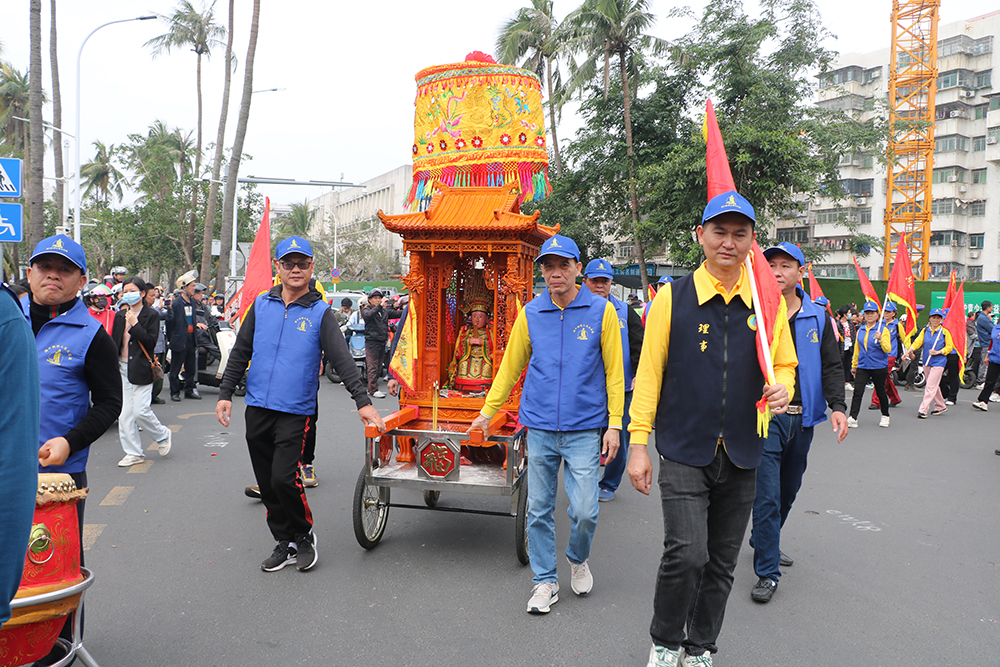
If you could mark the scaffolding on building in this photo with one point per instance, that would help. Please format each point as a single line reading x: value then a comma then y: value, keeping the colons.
x: 912, y: 88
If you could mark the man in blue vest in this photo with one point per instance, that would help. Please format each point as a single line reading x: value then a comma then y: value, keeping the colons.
x: 698, y: 383
x: 570, y: 342
x: 285, y: 333
x: 818, y: 384
x: 597, y: 278
x: 81, y: 388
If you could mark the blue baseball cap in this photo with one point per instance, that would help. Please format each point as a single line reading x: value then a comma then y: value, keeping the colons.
x: 561, y: 246
x: 599, y: 268
x: 890, y: 307
x: 937, y: 311
x: 61, y: 245
x: 664, y: 280
x: 728, y: 202
x: 871, y: 305
x: 293, y: 244
x: 821, y: 301
x: 789, y: 249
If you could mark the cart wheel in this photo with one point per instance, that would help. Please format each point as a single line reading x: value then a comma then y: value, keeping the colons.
x: 919, y: 381
x: 331, y: 373
x: 371, y: 511
x: 968, y: 380
x: 431, y: 498
x: 521, y: 522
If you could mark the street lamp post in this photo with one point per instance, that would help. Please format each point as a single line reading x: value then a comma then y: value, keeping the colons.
x: 76, y: 177
x: 64, y: 179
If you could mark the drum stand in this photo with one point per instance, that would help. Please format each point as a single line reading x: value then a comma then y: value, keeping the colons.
x: 76, y: 649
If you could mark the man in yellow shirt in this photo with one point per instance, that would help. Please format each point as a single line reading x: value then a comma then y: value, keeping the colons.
x: 569, y: 340
x: 698, y: 382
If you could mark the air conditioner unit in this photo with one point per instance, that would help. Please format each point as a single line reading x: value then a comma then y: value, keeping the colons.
x: 973, y: 254
x: 991, y: 140
x: 962, y: 188
x: 967, y: 93
x: 862, y: 201
x: 856, y: 163
x: 953, y: 179
x: 957, y: 113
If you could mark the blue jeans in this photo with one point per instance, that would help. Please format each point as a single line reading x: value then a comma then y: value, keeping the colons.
x: 615, y: 468
x: 779, y: 478
x: 705, y: 515
x: 581, y: 450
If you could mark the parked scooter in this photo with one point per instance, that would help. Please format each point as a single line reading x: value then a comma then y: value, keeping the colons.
x: 225, y: 339
x: 355, y: 336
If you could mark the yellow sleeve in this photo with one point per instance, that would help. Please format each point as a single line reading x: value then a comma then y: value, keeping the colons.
x: 857, y: 347
x: 515, y: 358
x: 919, y: 342
x: 903, y: 337
x: 785, y: 361
x: 614, y: 374
x: 652, y: 363
x: 949, y: 345
x: 886, y: 340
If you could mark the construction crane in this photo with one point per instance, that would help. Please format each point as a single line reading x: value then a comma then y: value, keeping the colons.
x: 912, y: 88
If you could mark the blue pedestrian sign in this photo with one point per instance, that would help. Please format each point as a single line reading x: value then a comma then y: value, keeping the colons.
x: 11, y: 223
x: 10, y: 179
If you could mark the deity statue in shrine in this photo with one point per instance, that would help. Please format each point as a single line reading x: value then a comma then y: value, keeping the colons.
x: 471, y: 369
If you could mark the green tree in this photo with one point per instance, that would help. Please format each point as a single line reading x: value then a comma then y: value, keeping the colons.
x: 603, y: 30
x: 100, y: 176
x: 297, y: 222
x: 13, y: 105
x: 533, y: 38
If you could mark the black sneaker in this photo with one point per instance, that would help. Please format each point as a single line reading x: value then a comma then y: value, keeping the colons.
x: 192, y: 394
x: 873, y: 407
x: 175, y: 397
x: 283, y: 554
x: 784, y: 560
x: 307, y: 555
x: 764, y: 589
x: 252, y: 491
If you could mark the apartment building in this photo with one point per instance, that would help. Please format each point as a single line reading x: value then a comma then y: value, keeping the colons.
x: 966, y: 182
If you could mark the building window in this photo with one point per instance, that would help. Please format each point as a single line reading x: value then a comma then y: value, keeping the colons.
x: 979, y: 143
x: 797, y: 235
x: 943, y: 207
x: 976, y: 240
x: 984, y: 45
x: 978, y: 175
x: 868, y: 162
x: 948, y: 238
x: 624, y: 250
x: 981, y: 111
x: 993, y: 132
x: 949, y: 175
x: 833, y: 270
x: 983, y: 79
x: 865, y: 216
x: 941, y: 269
x: 977, y: 208
x: 975, y: 273
x: 951, y: 142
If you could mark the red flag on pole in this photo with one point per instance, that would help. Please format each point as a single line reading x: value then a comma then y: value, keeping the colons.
x: 258, y: 274
x: 770, y: 309
x: 866, y: 285
x: 815, y: 291
x: 950, y: 294
x: 902, y: 285
x: 954, y: 322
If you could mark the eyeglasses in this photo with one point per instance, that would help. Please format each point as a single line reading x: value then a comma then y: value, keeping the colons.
x: 288, y: 265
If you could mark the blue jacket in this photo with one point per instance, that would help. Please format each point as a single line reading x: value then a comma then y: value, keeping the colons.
x: 984, y: 328
x: 936, y: 340
x: 62, y: 345
x: 565, y: 388
x: 995, y: 345
x: 809, y: 324
x: 868, y: 347
x: 286, y: 345
x: 621, y: 309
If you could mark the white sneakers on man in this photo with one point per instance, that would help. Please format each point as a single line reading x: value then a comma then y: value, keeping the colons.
x: 164, y: 447
x: 582, y: 580
x: 852, y: 422
x: 661, y: 656
x: 130, y: 460
x: 884, y: 421
x: 981, y: 405
x: 542, y: 596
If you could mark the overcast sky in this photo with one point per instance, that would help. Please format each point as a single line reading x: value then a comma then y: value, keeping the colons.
x: 346, y: 68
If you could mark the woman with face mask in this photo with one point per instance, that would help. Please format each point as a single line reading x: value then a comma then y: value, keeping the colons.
x: 135, y: 331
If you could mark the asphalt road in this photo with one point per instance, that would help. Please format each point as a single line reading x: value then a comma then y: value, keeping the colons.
x: 894, y: 537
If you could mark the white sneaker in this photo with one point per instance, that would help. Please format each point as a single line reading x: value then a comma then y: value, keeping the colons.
x: 703, y: 660
x: 981, y: 405
x: 164, y: 447
x: 582, y: 580
x: 130, y: 460
x: 852, y: 422
x: 661, y: 656
x: 994, y: 398
x: 848, y: 386
x: 979, y: 387
x: 543, y: 595
x: 949, y: 402
x: 884, y: 422
x: 378, y: 394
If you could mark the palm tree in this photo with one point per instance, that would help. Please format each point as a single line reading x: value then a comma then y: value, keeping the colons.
x: 56, y: 111
x: 228, y: 209
x: 534, y: 35
x: 160, y: 159
x: 213, y: 187
x: 297, y: 222
x: 35, y: 166
x: 603, y: 29
x: 100, y: 177
x: 13, y: 105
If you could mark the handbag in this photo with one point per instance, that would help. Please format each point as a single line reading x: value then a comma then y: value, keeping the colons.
x: 154, y: 364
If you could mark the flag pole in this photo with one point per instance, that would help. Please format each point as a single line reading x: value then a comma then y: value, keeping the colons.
x: 761, y: 334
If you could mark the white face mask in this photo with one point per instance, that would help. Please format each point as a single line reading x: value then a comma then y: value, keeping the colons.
x: 131, y: 298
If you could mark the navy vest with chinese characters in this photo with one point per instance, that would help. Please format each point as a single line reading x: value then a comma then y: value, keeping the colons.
x: 565, y: 388
x: 712, y: 380
x: 62, y: 345
x: 284, y: 367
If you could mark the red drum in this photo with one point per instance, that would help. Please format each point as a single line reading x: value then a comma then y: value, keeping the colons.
x: 52, y: 563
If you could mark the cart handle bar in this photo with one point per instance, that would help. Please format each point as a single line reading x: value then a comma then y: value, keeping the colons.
x: 394, y: 420
x: 477, y: 436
